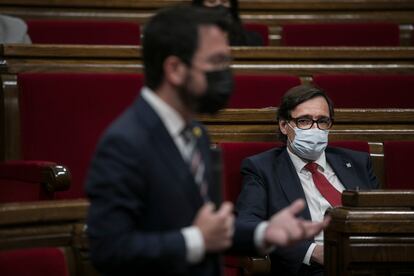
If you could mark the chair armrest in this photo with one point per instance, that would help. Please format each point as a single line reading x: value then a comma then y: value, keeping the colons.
x: 54, y: 177
x: 249, y: 265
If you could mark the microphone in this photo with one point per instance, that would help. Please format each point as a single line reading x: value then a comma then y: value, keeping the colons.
x: 215, y: 188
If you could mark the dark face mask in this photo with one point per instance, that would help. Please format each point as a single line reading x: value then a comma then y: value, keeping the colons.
x: 219, y: 89
x: 220, y: 86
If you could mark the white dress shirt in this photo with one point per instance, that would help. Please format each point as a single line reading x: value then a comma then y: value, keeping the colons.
x: 174, y: 124
x: 317, y: 204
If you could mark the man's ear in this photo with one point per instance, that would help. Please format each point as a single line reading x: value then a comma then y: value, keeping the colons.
x: 175, y: 71
x: 283, y: 125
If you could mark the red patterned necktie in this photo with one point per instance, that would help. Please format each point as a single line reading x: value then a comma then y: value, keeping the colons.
x: 332, y: 195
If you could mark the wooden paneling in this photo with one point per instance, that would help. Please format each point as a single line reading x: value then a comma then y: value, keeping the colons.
x: 373, y: 234
x: 270, y: 12
x: 301, y: 61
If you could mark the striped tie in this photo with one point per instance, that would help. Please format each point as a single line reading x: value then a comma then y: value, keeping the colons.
x: 195, y: 160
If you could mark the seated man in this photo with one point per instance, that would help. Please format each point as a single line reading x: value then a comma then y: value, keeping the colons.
x: 13, y: 30
x: 306, y: 168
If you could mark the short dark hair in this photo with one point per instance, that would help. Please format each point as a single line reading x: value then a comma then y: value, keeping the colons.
x: 294, y: 97
x: 174, y: 32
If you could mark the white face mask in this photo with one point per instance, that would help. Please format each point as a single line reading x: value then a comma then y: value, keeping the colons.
x: 309, y: 143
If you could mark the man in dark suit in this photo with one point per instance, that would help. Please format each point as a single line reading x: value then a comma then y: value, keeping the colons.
x: 306, y: 169
x: 150, y: 181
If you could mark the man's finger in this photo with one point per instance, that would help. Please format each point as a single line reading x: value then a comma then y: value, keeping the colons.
x: 225, y: 209
x: 297, y: 206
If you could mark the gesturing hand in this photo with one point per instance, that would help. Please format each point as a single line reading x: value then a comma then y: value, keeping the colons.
x: 285, y: 228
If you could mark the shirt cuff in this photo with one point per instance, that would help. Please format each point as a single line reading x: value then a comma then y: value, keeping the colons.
x: 259, y: 239
x: 194, y: 244
x: 308, y: 255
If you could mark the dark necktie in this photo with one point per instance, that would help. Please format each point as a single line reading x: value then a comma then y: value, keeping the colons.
x: 195, y: 160
x: 332, y: 195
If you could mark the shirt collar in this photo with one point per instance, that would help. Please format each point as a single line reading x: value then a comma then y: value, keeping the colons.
x: 299, y: 163
x: 168, y: 115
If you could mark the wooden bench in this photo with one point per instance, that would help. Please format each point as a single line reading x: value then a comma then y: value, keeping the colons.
x: 301, y: 61
x: 270, y: 12
x: 58, y: 224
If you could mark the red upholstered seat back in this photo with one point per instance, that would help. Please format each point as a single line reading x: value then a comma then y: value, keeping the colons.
x: 233, y: 155
x: 258, y: 91
x: 368, y: 91
x: 261, y: 29
x: 84, y: 32
x: 398, y: 160
x: 64, y: 114
x: 353, y: 145
x: 33, y: 262
x: 341, y: 34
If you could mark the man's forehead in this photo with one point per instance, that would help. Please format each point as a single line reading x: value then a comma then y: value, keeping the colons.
x: 312, y: 106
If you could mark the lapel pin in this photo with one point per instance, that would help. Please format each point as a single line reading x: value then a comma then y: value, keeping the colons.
x: 348, y: 165
x: 197, y: 132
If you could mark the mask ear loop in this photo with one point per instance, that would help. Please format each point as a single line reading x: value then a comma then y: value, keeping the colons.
x: 290, y: 141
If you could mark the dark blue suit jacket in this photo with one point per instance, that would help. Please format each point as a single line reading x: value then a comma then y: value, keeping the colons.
x: 142, y: 194
x: 270, y: 183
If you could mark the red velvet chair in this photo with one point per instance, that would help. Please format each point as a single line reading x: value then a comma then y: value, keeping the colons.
x: 261, y: 29
x: 63, y: 115
x: 84, y: 32
x: 397, y: 162
x: 341, y: 34
x: 33, y: 262
x: 258, y: 91
x: 368, y: 90
x: 233, y: 154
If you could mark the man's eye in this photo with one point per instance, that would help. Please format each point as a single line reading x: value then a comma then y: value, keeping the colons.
x: 304, y: 121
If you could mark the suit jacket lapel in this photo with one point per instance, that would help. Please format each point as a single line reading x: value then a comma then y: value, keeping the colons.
x: 289, y: 180
x: 344, y: 170
x: 165, y: 147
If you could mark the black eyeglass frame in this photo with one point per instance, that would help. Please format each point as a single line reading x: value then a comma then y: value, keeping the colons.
x: 318, y: 121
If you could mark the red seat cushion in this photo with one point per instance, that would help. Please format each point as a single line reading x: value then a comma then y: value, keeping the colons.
x: 84, y: 32
x: 258, y: 91
x: 341, y: 34
x: 368, y: 90
x: 33, y: 262
x: 64, y: 114
x: 261, y: 29
x: 398, y: 157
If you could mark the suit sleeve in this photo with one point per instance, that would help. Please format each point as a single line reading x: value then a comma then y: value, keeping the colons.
x: 117, y: 190
x: 252, y: 206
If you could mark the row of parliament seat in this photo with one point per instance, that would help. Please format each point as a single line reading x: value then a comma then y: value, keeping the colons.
x: 41, y: 261
x: 274, y: 14
x: 48, y: 31
x: 63, y: 115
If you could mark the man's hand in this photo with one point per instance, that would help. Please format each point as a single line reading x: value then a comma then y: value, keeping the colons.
x: 286, y: 229
x: 317, y: 254
x: 216, y: 227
